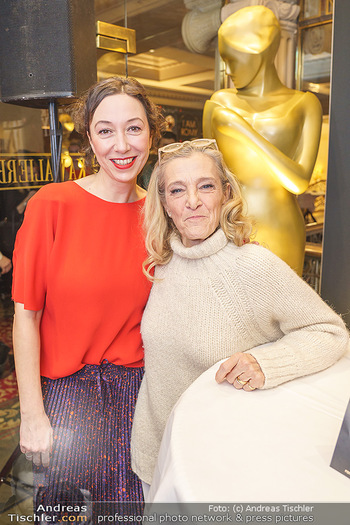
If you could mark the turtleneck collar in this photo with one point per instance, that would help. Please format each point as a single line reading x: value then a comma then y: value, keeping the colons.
x: 208, y: 247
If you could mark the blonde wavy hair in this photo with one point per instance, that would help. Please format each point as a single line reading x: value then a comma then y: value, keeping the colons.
x: 159, y: 227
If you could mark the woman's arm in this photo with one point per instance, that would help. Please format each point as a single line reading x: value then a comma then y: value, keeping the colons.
x: 304, y: 334
x: 296, y: 332
x: 35, y: 430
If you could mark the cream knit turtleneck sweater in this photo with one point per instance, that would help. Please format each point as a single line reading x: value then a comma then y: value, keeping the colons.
x: 215, y: 299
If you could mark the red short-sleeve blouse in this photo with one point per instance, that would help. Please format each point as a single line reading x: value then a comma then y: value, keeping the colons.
x: 79, y: 258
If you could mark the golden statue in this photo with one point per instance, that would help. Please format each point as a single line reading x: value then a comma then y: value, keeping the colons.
x: 268, y: 133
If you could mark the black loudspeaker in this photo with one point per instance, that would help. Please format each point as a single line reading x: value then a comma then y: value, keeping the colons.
x: 47, y: 50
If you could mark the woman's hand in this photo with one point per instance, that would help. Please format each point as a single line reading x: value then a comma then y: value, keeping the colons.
x: 35, y: 431
x: 5, y: 264
x: 36, y: 439
x: 243, y: 372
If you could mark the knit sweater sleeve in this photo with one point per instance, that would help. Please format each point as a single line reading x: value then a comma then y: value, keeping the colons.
x: 312, y: 336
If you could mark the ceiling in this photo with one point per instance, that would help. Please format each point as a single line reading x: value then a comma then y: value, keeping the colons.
x: 172, y: 74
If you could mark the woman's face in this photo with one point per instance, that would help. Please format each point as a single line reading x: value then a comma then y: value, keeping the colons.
x: 193, y: 196
x: 120, y: 137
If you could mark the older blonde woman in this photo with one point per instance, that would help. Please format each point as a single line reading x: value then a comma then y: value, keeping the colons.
x: 217, y: 295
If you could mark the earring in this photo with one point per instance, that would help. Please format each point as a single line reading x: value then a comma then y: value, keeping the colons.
x: 94, y: 162
x: 169, y: 214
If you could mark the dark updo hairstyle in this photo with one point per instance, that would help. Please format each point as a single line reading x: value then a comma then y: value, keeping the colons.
x: 83, y: 111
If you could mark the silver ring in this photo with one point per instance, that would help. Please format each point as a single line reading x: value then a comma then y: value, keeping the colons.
x: 29, y: 456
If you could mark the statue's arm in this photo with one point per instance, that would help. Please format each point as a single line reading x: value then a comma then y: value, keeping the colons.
x: 209, y: 107
x: 294, y: 174
x: 308, y: 146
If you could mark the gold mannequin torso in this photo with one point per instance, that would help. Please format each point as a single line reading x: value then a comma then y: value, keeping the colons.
x: 270, y: 143
x: 268, y: 134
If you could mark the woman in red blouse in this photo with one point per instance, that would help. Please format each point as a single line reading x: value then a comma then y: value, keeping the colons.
x: 79, y: 294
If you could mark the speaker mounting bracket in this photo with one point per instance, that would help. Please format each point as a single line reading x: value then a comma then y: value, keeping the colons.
x: 55, y: 140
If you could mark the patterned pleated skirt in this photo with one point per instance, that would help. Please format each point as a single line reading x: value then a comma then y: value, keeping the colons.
x: 91, y: 414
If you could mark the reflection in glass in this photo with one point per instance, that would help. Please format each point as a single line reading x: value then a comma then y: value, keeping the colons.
x: 312, y: 8
x: 315, y: 61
